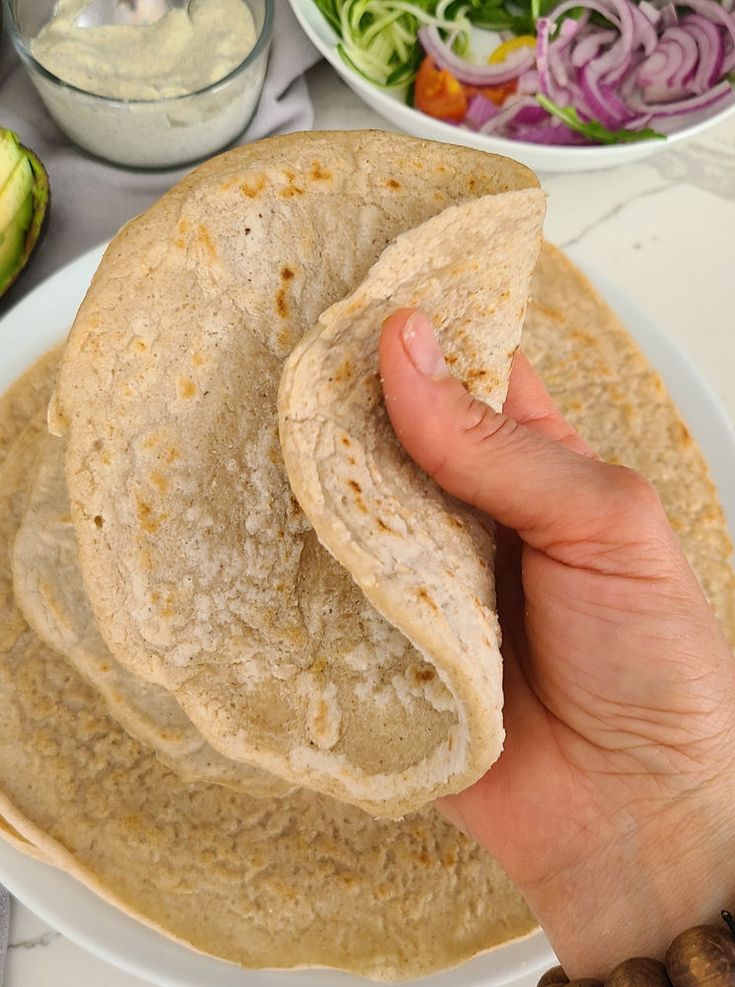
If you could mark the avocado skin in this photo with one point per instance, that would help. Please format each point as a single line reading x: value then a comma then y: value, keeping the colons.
x: 24, y: 206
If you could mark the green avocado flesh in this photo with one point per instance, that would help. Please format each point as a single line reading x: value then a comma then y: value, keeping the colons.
x: 23, y: 203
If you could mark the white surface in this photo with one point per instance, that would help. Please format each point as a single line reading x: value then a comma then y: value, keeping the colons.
x: 391, y: 105
x: 663, y: 230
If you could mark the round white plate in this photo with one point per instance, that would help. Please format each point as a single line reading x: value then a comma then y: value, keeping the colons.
x: 32, y: 327
x: 541, y: 157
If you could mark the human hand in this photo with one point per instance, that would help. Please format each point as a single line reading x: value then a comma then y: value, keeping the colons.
x: 611, y: 804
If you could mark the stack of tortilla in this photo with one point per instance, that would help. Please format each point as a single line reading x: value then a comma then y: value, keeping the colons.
x: 239, y: 661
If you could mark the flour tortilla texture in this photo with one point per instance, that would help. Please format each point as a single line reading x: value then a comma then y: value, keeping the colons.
x: 607, y: 389
x: 304, y: 880
x: 424, y: 561
x: 49, y: 591
x: 202, y: 571
x: 297, y: 881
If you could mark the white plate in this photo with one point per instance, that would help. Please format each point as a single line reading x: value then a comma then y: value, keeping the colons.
x: 32, y: 327
x: 541, y: 157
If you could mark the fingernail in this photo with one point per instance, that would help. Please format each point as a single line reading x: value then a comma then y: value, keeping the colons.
x: 422, y: 347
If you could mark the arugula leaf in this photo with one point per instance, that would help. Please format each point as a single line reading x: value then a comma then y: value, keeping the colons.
x: 594, y: 129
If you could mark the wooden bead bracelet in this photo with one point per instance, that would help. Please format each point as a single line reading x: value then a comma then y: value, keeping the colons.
x: 703, y: 956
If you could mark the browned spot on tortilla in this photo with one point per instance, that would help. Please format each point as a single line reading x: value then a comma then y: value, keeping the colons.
x: 280, y: 587
x: 186, y: 388
x: 352, y: 461
x: 287, y: 274
x: 423, y: 858
x: 289, y: 191
x: 183, y: 225
x: 455, y: 521
x: 205, y: 238
x: 285, y: 338
x: 148, y: 520
x: 392, y: 183
x: 451, y: 359
x: 281, y: 303
x: 511, y: 353
x: 172, y: 454
x: 684, y: 434
x: 345, y: 440
x: 424, y: 595
x: 152, y: 441
x: 159, y: 480
x: 450, y: 859
x: 140, y: 345
x: 425, y: 673
x: 198, y: 360
x: 320, y: 174
x: 476, y: 373
x: 552, y: 313
x: 179, y: 242
x: 383, y: 526
x: 98, y: 521
x: 472, y: 183
x: 296, y: 505
x: 360, y: 503
x: 253, y: 189
x: 343, y: 372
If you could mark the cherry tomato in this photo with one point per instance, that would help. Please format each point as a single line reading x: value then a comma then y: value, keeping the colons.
x: 438, y: 93
x: 498, y: 94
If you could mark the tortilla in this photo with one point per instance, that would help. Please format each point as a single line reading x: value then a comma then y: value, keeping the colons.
x: 49, y: 591
x: 424, y: 561
x: 297, y: 881
x: 607, y: 389
x: 26, y: 396
x: 202, y: 571
x: 305, y: 880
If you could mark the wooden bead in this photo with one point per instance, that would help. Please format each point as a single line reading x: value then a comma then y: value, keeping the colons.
x: 553, y: 976
x: 639, y: 972
x: 702, y: 957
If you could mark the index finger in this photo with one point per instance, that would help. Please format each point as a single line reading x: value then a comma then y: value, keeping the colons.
x: 530, y: 404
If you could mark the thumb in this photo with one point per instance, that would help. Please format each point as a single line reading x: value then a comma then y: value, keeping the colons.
x: 538, y: 478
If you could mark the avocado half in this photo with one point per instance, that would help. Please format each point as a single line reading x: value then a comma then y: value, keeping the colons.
x: 24, y: 199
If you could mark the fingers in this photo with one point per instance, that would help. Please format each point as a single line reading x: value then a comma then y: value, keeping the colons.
x: 537, y: 478
x: 529, y: 403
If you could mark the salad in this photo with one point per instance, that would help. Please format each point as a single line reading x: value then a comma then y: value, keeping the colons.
x: 545, y: 71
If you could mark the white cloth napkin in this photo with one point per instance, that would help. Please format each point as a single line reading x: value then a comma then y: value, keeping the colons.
x: 90, y: 200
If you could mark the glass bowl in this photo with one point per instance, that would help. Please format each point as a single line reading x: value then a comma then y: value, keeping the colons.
x: 147, y: 133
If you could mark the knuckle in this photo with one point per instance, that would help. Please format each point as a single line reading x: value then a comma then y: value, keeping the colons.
x: 482, y: 425
x: 637, y: 496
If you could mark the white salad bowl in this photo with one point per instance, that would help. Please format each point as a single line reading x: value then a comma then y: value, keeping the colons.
x: 544, y: 158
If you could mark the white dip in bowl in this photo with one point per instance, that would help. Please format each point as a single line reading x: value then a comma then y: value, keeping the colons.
x: 153, y: 95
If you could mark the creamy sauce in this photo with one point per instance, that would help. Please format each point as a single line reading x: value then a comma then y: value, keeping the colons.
x: 179, y: 54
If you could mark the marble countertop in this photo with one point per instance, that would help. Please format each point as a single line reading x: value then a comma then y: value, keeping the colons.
x: 662, y: 230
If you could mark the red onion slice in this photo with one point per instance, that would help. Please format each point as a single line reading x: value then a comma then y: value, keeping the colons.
x: 692, y: 104
x: 512, y: 108
x: 714, y: 12
x: 473, y: 75
x: 690, y: 49
x: 588, y: 47
x: 711, y: 51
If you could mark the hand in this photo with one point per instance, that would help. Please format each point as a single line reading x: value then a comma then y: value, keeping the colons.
x: 611, y: 805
